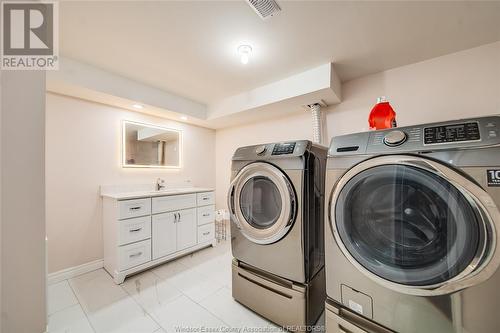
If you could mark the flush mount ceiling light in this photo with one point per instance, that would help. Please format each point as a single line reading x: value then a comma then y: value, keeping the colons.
x: 184, y: 118
x: 244, y: 52
x: 137, y: 106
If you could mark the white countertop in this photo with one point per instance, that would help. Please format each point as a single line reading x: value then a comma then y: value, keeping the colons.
x: 148, y: 193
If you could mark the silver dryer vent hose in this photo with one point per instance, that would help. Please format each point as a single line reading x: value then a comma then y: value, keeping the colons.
x: 317, y: 125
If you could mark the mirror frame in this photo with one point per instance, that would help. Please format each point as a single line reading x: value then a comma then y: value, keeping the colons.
x: 124, y: 146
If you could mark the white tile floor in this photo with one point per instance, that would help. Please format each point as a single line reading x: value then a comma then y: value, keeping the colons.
x: 193, y: 291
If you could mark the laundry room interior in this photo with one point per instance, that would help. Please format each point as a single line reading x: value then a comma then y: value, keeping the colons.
x: 251, y: 166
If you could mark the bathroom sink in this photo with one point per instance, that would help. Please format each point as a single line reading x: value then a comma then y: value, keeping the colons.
x: 167, y: 191
x: 175, y: 190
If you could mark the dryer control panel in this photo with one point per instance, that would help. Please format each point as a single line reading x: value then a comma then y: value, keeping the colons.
x: 283, y: 148
x: 278, y: 150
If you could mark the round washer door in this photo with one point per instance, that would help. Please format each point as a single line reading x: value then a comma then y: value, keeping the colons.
x: 262, y: 202
x: 411, y: 223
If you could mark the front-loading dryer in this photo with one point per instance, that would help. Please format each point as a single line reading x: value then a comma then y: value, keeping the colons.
x: 276, y: 203
x: 411, y: 232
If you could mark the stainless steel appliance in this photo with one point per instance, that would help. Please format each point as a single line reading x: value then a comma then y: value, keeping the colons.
x: 276, y: 201
x: 412, y: 229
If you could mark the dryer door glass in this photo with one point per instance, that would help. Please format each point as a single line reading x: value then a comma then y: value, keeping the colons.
x: 263, y: 203
x: 260, y: 202
x: 407, y: 225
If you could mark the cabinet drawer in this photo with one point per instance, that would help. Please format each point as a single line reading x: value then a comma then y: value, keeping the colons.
x: 134, y: 230
x: 206, y: 214
x: 134, y: 254
x: 206, y: 233
x: 205, y: 198
x: 134, y: 208
x: 173, y: 202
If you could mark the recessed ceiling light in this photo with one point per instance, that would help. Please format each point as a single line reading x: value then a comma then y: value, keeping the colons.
x: 184, y: 118
x: 244, y: 51
x: 137, y: 106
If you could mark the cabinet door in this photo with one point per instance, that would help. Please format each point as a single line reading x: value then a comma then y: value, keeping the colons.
x: 164, y: 234
x: 187, y: 229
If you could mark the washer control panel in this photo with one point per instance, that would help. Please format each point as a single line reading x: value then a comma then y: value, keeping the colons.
x: 283, y: 148
x: 452, y: 133
x: 457, y: 134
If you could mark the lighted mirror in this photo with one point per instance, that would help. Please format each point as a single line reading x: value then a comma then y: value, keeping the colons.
x: 149, y: 146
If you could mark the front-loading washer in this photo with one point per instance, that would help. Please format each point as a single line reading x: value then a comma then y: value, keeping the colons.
x: 411, y: 229
x: 276, y: 203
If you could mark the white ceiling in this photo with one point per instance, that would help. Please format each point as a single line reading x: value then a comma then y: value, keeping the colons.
x: 189, y: 47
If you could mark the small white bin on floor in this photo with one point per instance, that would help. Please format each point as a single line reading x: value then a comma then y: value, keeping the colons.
x: 221, y: 225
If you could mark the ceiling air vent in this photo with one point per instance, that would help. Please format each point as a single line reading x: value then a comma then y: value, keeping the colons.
x: 265, y: 8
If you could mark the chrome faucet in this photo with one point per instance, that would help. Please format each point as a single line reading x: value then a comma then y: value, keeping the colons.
x: 160, y: 184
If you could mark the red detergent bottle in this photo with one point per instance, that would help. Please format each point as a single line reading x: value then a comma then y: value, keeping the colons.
x: 382, y: 115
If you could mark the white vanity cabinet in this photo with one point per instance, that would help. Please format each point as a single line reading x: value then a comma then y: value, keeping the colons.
x: 144, y: 231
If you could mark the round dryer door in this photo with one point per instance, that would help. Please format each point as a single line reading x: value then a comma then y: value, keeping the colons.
x: 411, y: 222
x: 263, y: 203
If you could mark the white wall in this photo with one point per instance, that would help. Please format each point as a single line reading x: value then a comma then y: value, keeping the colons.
x: 83, y: 152
x: 463, y: 84
x: 22, y: 270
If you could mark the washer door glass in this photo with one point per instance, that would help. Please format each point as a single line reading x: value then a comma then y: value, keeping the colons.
x: 407, y: 225
x: 260, y: 202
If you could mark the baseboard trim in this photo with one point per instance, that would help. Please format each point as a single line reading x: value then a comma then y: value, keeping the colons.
x: 72, y: 272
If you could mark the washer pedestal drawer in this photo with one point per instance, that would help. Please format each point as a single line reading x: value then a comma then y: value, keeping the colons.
x: 279, y: 300
x: 341, y: 320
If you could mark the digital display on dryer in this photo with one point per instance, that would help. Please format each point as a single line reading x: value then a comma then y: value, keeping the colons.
x: 283, y: 148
